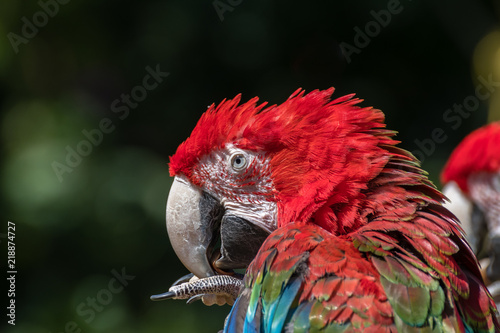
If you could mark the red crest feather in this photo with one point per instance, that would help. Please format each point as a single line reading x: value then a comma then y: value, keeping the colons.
x: 217, y: 126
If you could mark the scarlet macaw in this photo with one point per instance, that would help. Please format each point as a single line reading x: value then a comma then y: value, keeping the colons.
x: 338, y: 230
x: 472, y: 182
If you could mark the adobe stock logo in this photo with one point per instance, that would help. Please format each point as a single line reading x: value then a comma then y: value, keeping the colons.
x: 104, y: 296
x: 455, y: 116
x: 120, y: 106
x: 92, y: 306
x: 30, y: 28
x: 225, y: 6
x: 372, y: 29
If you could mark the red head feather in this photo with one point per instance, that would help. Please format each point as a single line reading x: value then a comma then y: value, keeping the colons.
x: 479, y: 151
x: 321, y: 152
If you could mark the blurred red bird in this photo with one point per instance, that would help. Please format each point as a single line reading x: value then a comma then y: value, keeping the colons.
x: 472, y: 182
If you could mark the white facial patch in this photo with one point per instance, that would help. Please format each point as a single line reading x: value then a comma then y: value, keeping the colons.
x: 485, y: 192
x: 241, y: 180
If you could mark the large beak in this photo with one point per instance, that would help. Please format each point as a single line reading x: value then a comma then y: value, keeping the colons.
x: 206, y: 238
x: 192, y: 217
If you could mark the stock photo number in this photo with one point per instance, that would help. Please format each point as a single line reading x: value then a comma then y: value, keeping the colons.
x: 11, y: 272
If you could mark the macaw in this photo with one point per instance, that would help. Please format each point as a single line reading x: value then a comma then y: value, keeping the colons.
x: 472, y: 182
x: 335, y: 228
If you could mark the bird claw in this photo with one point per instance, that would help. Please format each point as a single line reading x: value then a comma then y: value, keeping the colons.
x: 218, y: 289
x: 183, y: 279
x: 195, y: 298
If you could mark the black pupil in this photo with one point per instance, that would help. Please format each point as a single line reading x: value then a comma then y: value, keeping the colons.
x: 238, y: 161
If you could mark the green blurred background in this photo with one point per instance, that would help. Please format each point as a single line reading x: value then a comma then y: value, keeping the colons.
x: 107, y: 214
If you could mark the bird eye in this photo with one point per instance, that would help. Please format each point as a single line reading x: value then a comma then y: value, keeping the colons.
x: 238, y: 162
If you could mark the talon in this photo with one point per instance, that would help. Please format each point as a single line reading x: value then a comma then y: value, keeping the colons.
x: 195, y: 298
x: 183, y: 279
x: 170, y: 294
x: 161, y: 297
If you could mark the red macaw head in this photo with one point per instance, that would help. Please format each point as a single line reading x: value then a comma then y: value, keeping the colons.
x: 472, y: 182
x: 478, y: 153
x: 248, y: 169
x: 472, y: 174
